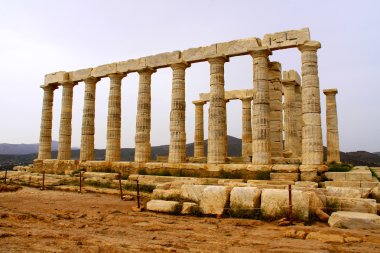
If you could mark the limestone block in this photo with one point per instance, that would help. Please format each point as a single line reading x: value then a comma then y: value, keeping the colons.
x: 56, y: 77
x: 80, y: 75
x: 170, y: 194
x: 359, y: 175
x: 284, y: 176
x: 291, y: 76
x: 375, y: 194
x: 346, y: 192
x: 163, y: 59
x: 101, y: 175
x: 245, y: 199
x: 309, y: 176
x: 360, y: 168
x: 131, y: 65
x: 199, y: 54
x: 289, y: 168
x: 275, y: 203
x: 192, y: 192
x: 187, y: 207
x: 351, y: 204
x: 214, y: 199
x: 237, y: 47
x: 259, y: 168
x: 104, y: 70
x: 336, y: 176
x: 366, y: 184
x: 307, y: 184
x: 163, y: 206
x: 270, y: 182
x: 286, y: 39
x: 342, y: 184
x: 350, y: 220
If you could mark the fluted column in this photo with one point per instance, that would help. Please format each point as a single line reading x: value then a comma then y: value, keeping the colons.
x: 177, y: 147
x: 199, y: 148
x: 333, y: 154
x: 143, y: 120
x: 114, y: 118
x: 44, y: 149
x: 312, y: 146
x: 64, y: 145
x: 246, y: 146
x: 217, y: 113
x: 88, y: 120
x: 290, y: 120
x: 275, y: 104
x: 298, y: 112
x: 261, y: 150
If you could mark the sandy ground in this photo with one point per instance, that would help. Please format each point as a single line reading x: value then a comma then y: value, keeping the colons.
x: 51, y: 221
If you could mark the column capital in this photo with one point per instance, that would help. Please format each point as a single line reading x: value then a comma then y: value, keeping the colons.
x: 310, y: 46
x: 48, y: 87
x: 287, y: 83
x: 68, y: 83
x: 199, y: 102
x: 117, y: 75
x: 260, y: 52
x: 180, y: 65
x: 218, y: 59
x: 246, y: 99
x: 147, y: 70
x: 330, y: 92
x: 91, y: 79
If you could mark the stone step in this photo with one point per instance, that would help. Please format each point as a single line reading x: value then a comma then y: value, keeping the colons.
x: 285, y: 168
x: 284, y: 176
x: 343, y: 219
x: 347, y: 192
x: 356, y: 175
x: 351, y: 204
x: 163, y: 206
x: 270, y: 182
x: 357, y: 184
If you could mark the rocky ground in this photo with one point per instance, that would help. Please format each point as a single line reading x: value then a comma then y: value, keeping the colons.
x: 54, y: 221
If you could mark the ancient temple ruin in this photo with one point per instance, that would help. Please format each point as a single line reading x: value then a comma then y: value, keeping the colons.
x: 279, y: 102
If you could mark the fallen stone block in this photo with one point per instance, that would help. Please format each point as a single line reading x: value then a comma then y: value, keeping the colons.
x: 192, y: 192
x: 351, y: 204
x: 170, y: 194
x: 342, y: 184
x: 187, y: 207
x: 344, y: 219
x: 163, y: 206
x: 346, y: 192
x: 244, y: 201
x: 214, y: 200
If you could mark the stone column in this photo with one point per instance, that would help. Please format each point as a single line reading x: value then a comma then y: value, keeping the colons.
x: 298, y: 112
x: 88, y: 120
x: 44, y: 149
x: 246, y: 146
x: 261, y: 150
x: 114, y: 118
x: 217, y: 113
x: 290, y: 120
x: 199, y: 148
x: 143, y: 120
x: 177, y: 148
x: 64, y: 145
x: 275, y: 104
x: 333, y: 154
x: 312, y: 146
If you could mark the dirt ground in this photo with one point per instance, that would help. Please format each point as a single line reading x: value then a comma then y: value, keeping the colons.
x: 52, y: 221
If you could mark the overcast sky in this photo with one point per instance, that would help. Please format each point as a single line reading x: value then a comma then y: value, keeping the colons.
x: 44, y: 36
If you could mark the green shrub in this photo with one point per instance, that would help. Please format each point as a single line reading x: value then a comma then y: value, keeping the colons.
x: 98, y: 184
x: 77, y: 172
x: 339, y: 167
x: 373, y: 172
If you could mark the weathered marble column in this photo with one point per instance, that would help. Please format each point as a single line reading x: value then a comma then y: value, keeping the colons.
x: 312, y: 146
x: 199, y: 148
x: 88, y: 120
x: 261, y: 149
x: 114, y: 118
x: 44, y: 149
x: 143, y: 120
x: 333, y: 149
x: 217, y: 113
x: 64, y: 145
x: 177, y: 147
x: 246, y: 146
x: 275, y: 104
x: 290, y: 120
x: 298, y: 105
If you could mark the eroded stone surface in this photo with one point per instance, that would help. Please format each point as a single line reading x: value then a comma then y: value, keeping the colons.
x: 343, y: 219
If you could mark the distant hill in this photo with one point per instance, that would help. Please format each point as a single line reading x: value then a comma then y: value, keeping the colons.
x: 127, y: 154
x: 22, y: 149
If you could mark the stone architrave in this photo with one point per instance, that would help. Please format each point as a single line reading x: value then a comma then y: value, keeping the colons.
x: 275, y: 104
x: 114, y: 118
x: 290, y: 121
x: 217, y: 113
x: 333, y: 154
x: 177, y: 147
x: 246, y: 146
x: 44, y: 149
x: 312, y: 146
x: 261, y: 150
x: 199, y: 148
x: 143, y: 120
x: 64, y: 145
x: 88, y: 120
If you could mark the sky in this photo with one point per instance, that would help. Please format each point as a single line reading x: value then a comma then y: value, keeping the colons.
x: 43, y: 36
